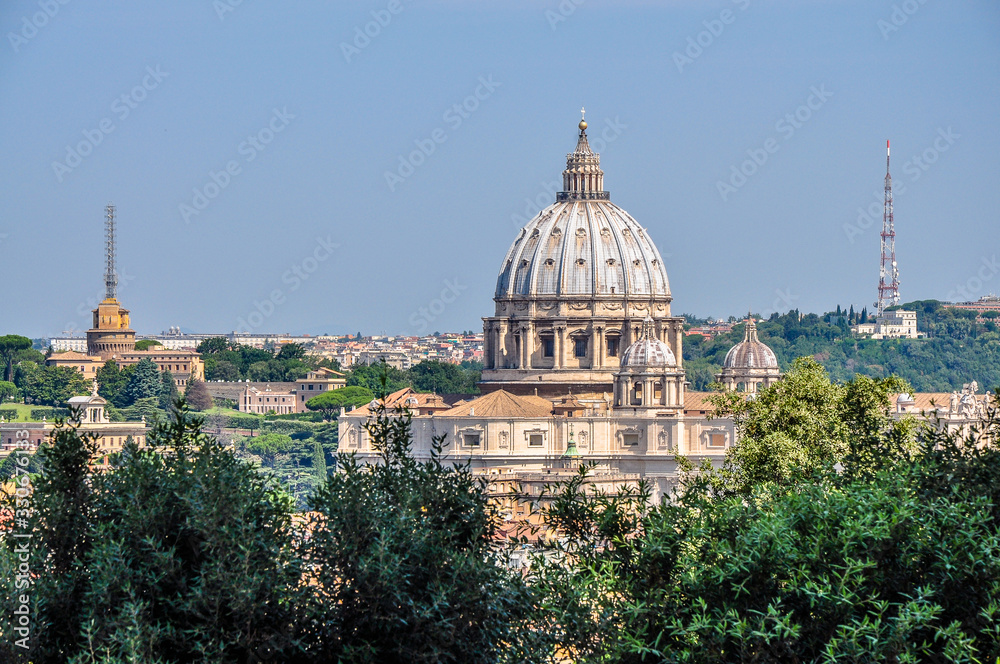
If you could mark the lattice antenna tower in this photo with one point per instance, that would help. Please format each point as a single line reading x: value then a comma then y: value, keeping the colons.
x: 110, y: 270
x: 888, y: 282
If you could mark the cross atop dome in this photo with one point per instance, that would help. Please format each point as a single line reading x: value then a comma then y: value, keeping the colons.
x: 583, y: 178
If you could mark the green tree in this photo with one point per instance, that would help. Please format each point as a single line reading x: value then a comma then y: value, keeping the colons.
x: 146, y: 344
x: 147, y: 408
x: 380, y: 378
x: 319, y: 462
x: 213, y: 345
x: 53, y: 386
x: 269, y: 445
x: 897, y: 564
x: 111, y: 382
x: 443, y: 378
x: 805, y: 424
x: 10, y: 346
x: 143, y: 383
x: 291, y: 352
x: 221, y: 370
x: 330, y: 402
x: 168, y: 390
x: 403, y: 566
x: 197, y: 395
x: 162, y: 557
x: 8, y: 390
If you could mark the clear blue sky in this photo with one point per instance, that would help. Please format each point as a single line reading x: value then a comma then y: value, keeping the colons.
x: 215, y: 78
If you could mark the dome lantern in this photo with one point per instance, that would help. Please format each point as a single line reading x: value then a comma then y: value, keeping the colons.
x: 583, y: 178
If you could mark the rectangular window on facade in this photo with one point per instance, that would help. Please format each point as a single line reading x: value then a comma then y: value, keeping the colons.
x: 470, y: 439
x: 536, y: 440
x: 613, y: 346
x: 630, y: 439
x: 717, y: 440
x: 580, y: 348
x: 548, y: 347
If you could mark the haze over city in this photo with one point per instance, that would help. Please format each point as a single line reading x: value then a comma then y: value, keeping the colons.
x: 281, y: 159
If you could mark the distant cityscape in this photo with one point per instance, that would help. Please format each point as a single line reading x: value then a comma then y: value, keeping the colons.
x: 398, y: 351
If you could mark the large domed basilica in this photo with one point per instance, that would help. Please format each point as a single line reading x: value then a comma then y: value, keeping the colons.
x: 583, y: 359
x: 573, y: 291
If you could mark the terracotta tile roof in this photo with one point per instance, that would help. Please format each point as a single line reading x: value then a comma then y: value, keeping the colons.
x: 922, y: 400
x: 391, y: 401
x: 697, y: 402
x: 502, y: 404
x: 72, y: 355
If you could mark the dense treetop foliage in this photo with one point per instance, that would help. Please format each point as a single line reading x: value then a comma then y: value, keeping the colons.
x: 881, y: 543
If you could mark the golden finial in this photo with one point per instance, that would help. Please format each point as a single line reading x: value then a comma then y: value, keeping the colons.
x: 583, y: 121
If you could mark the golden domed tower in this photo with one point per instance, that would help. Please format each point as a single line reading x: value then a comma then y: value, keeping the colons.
x: 111, y: 334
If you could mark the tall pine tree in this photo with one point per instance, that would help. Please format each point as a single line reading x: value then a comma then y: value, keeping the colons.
x: 143, y: 383
x: 168, y: 390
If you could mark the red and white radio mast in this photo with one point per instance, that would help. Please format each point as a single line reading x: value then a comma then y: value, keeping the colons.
x: 888, y: 282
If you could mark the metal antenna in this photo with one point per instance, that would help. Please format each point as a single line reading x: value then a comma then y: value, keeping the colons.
x: 110, y: 272
x: 888, y: 283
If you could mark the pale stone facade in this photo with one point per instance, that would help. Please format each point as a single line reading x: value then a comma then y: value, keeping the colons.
x: 895, y: 324
x: 315, y: 383
x: 262, y: 402
x: 110, y: 436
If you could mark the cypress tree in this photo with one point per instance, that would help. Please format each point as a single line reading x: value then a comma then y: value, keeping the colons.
x: 143, y: 383
x: 168, y: 390
x: 319, y: 462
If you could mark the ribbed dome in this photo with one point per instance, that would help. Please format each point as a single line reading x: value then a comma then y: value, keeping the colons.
x: 751, y: 353
x: 648, y: 351
x: 583, y: 248
x: 583, y: 244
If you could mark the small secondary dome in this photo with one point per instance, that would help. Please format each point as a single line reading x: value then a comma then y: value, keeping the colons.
x: 751, y: 353
x: 648, y: 351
